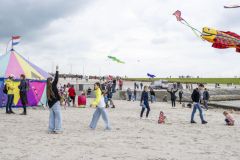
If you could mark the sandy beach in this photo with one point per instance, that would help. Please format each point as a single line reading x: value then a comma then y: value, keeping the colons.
x: 131, y: 138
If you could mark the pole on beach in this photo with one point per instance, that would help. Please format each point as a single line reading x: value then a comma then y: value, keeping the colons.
x: 8, y: 45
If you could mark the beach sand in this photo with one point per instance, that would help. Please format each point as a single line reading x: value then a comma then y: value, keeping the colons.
x: 131, y: 138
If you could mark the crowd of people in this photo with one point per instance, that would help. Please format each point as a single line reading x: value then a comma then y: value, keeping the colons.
x: 104, y: 99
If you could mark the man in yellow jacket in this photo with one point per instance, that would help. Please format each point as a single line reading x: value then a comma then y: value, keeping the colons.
x: 10, y: 93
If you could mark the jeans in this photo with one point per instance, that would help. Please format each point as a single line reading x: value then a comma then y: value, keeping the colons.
x: 143, y: 109
x: 9, y: 103
x: 55, y: 118
x: 195, y: 107
x: 98, y: 112
x: 153, y: 98
x: 129, y: 97
x: 205, y: 104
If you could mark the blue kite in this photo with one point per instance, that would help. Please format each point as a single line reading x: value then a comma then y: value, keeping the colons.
x: 151, y: 75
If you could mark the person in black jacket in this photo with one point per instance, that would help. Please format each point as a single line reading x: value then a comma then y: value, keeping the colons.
x: 173, y: 96
x: 206, y: 97
x: 144, y: 102
x: 196, y: 100
x: 180, y: 94
x: 23, y: 89
x: 53, y: 98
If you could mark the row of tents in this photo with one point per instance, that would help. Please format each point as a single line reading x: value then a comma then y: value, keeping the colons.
x: 14, y: 63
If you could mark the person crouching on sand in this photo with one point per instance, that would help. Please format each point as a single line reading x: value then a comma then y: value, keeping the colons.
x: 144, y: 102
x: 99, y: 102
x: 53, y: 97
x: 228, y: 118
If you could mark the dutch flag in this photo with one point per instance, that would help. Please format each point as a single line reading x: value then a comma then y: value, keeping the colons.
x: 15, y: 40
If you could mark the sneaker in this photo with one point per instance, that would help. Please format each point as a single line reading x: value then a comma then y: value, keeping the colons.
x: 58, y: 132
x: 193, y: 122
x: 107, y: 129
x: 23, y: 113
x: 204, y: 122
x: 50, y: 132
x: 11, y: 112
x: 113, y: 106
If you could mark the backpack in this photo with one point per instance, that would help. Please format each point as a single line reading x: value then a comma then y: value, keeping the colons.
x: 5, y: 90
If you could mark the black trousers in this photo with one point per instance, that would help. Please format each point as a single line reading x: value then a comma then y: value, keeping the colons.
x: 23, y: 97
x: 180, y: 100
x: 173, y: 102
x: 9, y: 103
x: 143, y: 109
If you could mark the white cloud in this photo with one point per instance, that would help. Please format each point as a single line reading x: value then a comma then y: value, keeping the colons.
x: 136, y: 30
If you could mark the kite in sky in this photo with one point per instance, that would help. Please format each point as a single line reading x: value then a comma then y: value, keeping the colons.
x: 183, y: 21
x: 116, y: 59
x: 220, y: 39
x: 151, y: 75
x: 232, y: 6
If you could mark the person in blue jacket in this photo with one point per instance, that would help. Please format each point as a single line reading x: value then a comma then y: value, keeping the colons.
x: 144, y: 102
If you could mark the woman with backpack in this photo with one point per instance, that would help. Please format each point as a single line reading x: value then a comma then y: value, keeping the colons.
x: 23, y: 88
x: 9, y: 90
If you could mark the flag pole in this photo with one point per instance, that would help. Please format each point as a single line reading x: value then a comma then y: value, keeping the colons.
x: 8, y: 45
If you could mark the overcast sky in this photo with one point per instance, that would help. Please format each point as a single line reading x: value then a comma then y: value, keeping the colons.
x: 143, y: 33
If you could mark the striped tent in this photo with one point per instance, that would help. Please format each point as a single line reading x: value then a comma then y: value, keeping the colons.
x: 13, y: 63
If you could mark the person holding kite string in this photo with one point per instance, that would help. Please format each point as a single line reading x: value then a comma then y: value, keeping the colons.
x: 53, y: 98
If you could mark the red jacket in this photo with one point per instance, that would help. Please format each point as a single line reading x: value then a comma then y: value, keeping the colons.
x: 71, y: 92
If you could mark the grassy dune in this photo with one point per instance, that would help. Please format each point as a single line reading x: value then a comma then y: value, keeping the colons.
x: 192, y: 80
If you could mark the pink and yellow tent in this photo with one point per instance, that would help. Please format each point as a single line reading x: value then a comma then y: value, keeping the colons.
x: 14, y: 63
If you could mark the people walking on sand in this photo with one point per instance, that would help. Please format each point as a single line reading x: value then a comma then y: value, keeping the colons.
x: 196, y: 100
x: 144, y: 102
x: 134, y: 95
x: 120, y: 83
x: 180, y: 94
x: 72, y: 94
x: 141, y: 85
x: 53, y: 98
x: 228, y: 118
x: 23, y: 89
x: 110, y: 95
x: 99, y: 103
x: 152, y: 95
x: 129, y: 93
x: 10, y: 94
x: 206, y: 97
x: 173, y: 96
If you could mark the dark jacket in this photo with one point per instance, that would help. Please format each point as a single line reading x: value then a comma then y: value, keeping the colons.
x: 173, y: 94
x: 23, y: 87
x: 180, y: 93
x: 55, y: 91
x: 144, y: 98
x: 196, y: 96
x: 152, y: 93
x: 206, y: 95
